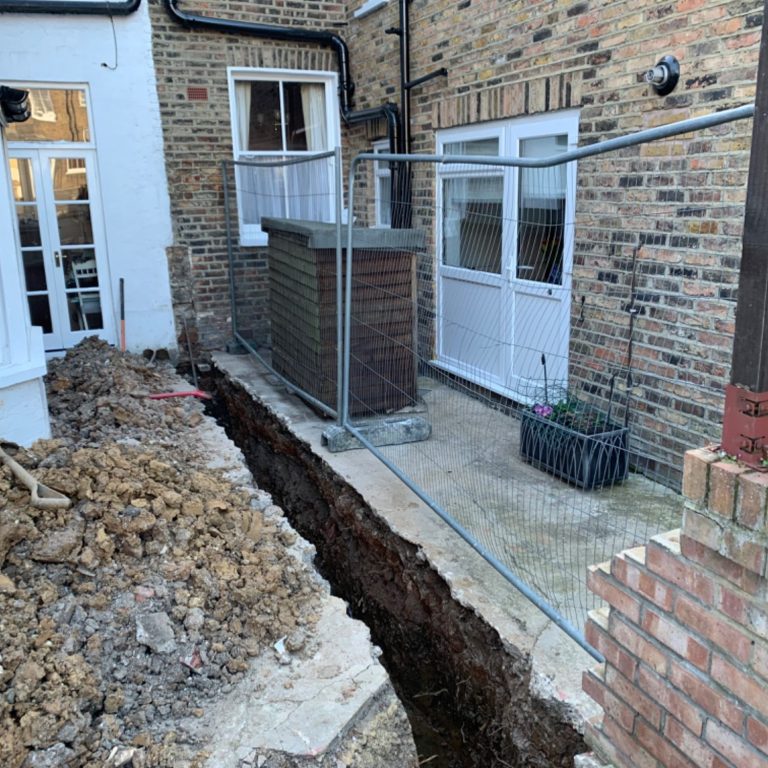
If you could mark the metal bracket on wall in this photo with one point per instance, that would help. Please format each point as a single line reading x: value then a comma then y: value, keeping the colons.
x: 745, y: 426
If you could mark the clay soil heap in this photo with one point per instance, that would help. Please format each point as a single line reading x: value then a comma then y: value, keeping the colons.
x: 122, y: 617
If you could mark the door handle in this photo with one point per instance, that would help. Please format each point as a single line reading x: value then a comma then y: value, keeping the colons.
x: 57, y: 258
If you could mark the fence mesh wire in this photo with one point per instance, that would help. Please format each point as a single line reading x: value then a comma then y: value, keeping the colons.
x: 566, y: 339
x: 570, y: 344
x: 285, y: 302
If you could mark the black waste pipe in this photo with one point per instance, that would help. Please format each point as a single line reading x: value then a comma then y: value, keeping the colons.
x: 82, y: 7
x: 388, y: 112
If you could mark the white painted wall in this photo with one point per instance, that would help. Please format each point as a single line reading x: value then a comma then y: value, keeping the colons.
x: 23, y: 406
x: 125, y: 124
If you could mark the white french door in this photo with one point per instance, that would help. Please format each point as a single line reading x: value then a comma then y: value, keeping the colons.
x: 63, y: 251
x: 505, y: 254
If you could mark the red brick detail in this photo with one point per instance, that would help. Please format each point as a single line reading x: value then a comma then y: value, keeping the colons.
x: 615, y: 655
x: 699, y: 688
x: 742, y: 686
x: 732, y: 604
x: 672, y: 567
x: 661, y: 748
x: 757, y: 734
x: 696, y: 466
x: 645, y: 584
x: 760, y: 661
x: 705, y: 622
x: 705, y: 556
x: 634, y: 754
x: 674, y: 703
x: 633, y: 696
x: 723, y: 483
x: 688, y: 744
x: 600, y: 583
x: 733, y: 747
x: 594, y: 684
x: 703, y: 529
x: 676, y: 638
x: 638, y: 645
x: 752, y: 500
x: 730, y: 540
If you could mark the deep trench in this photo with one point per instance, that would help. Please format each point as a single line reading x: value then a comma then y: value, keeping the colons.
x: 467, y: 695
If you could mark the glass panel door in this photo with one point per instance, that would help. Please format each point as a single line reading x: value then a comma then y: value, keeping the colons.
x: 61, y: 246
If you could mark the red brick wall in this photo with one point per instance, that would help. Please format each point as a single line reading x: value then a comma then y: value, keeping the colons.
x: 685, y: 633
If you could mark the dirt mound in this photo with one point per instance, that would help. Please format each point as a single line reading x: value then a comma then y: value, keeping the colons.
x: 130, y: 611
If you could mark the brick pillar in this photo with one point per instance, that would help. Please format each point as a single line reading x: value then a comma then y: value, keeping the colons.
x: 685, y: 632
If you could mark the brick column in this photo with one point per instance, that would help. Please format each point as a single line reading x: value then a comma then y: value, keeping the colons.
x: 685, y: 632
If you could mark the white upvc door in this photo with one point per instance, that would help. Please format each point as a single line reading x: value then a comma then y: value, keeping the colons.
x: 505, y: 258
x: 63, y: 253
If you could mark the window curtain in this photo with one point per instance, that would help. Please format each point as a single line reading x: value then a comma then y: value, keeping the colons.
x: 313, y: 105
x: 243, y: 112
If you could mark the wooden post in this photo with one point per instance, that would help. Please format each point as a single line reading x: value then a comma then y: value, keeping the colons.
x: 745, y: 425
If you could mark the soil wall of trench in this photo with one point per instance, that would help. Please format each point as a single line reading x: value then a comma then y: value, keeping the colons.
x: 466, y: 692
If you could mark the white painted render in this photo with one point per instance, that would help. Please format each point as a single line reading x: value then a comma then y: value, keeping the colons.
x: 117, y: 69
x: 23, y: 406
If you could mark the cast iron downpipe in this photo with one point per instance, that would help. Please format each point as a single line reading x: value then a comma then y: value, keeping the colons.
x: 388, y: 112
x: 82, y: 7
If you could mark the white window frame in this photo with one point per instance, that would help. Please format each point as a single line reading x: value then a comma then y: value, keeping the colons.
x: 252, y: 234
x: 510, y: 133
x: 381, y: 172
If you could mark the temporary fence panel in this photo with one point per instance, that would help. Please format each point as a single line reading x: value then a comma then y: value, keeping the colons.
x: 571, y: 339
x: 284, y: 277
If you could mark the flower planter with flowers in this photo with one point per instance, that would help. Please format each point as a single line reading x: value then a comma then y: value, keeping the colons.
x: 576, y: 442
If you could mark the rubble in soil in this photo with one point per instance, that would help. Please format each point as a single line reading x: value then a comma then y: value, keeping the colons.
x: 122, y: 617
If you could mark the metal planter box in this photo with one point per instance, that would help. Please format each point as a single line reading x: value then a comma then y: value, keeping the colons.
x: 586, y: 460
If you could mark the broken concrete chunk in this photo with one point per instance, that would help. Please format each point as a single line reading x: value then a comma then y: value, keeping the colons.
x: 156, y: 632
x: 60, y: 545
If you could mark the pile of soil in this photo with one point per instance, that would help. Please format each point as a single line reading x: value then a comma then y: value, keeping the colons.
x: 124, y: 616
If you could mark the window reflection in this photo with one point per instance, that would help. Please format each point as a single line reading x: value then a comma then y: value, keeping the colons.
x: 58, y: 114
x: 69, y: 178
x: 29, y: 226
x: 22, y: 180
x: 74, y: 224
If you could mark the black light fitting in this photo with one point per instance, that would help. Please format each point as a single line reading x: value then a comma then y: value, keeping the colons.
x: 664, y: 76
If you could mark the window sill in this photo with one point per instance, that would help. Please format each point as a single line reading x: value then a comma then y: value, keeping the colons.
x: 368, y: 7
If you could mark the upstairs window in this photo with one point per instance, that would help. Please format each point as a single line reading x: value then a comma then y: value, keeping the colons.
x: 383, y: 193
x: 281, y: 116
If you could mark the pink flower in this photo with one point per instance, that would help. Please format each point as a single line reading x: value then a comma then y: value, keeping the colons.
x: 543, y: 410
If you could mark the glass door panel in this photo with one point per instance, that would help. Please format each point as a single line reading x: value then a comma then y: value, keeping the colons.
x: 69, y: 182
x: 61, y: 244
x: 31, y: 241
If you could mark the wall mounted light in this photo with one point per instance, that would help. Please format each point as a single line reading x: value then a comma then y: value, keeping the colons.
x: 664, y: 76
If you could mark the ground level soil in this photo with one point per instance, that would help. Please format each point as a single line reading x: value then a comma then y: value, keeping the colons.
x: 125, y: 616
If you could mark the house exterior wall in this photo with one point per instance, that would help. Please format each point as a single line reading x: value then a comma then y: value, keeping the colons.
x: 680, y: 202
x: 685, y: 635
x: 194, y: 102
x: 51, y: 49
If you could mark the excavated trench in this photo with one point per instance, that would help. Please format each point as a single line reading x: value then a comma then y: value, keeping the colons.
x: 466, y: 693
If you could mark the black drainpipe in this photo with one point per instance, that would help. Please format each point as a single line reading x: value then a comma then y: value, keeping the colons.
x: 95, y: 8
x: 388, y: 112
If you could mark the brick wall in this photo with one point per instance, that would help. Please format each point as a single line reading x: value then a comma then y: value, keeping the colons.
x: 681, y: 200
x: 198, y: 136
x: 685, y: 633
